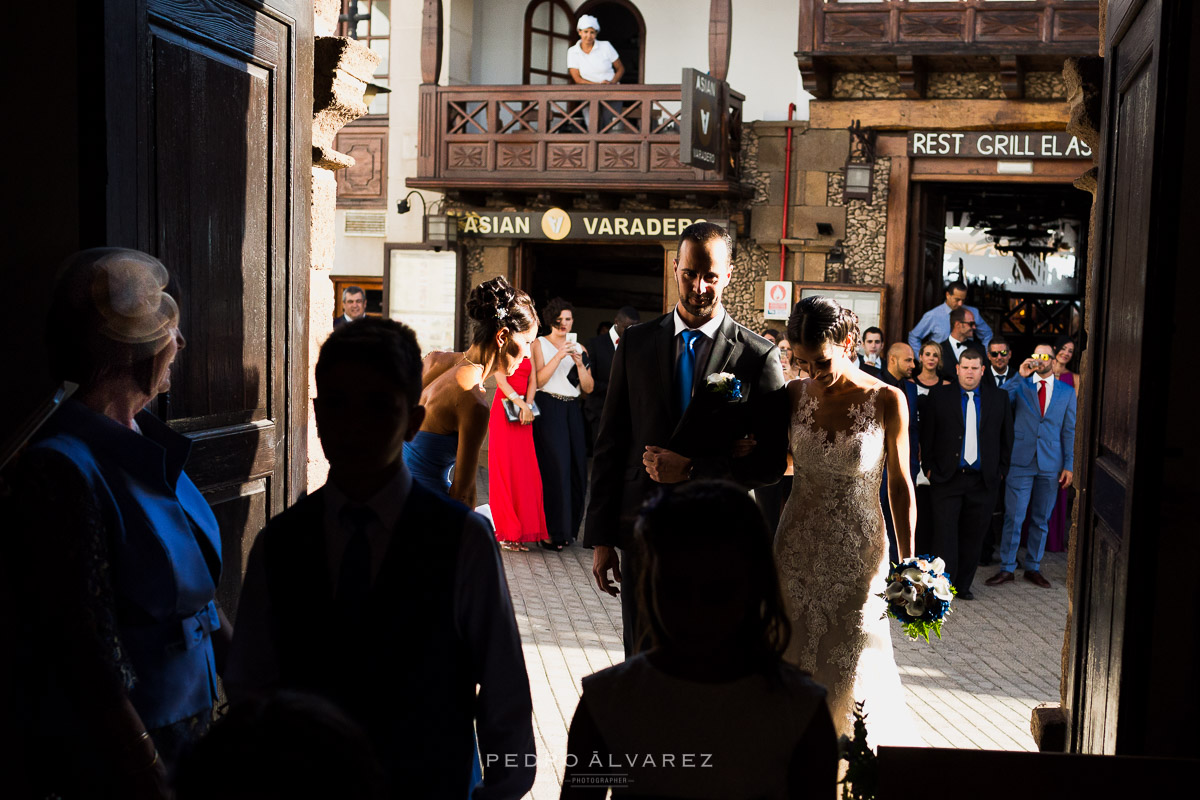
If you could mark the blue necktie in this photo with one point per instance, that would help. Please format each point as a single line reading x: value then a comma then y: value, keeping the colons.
x: 685, y: 370
x: 354, y: 577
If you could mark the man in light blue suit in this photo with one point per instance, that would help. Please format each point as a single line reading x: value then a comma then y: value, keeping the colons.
x: 935, y: 324
x: 1043, y: 459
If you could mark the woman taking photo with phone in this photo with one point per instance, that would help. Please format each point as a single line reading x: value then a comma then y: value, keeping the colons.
x: 563, y: 376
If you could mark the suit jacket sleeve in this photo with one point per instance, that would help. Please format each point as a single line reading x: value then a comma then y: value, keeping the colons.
x: 914, y: 429
x: 768, y: 413
x: 927, y: 430
x: 1006, y: 434
x: 609, y: 458
x: 1068, y: 434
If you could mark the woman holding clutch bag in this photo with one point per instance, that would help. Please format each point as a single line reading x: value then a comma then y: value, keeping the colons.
x: 514, y: 483
x: 503, y: 323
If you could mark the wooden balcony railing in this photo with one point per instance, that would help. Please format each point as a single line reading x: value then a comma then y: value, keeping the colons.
x: 555, y: 138
x: 967, y: 27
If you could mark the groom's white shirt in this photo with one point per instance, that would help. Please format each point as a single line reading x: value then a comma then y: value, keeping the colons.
x: 704, y: 344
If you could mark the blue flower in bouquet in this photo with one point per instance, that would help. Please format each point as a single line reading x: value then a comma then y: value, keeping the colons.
x: 724, y: 384
x: 918, y: 594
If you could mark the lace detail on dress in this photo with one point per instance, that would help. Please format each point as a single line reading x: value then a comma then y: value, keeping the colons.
x: 831, y: 546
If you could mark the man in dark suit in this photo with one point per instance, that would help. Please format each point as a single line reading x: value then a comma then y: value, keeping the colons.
x: 996, y: 373
x: 998, y: 370
x: 962, y: 337
x: 966, y: 443
x: 354, y: 306
x: 428, y: 660
x: 601, y: 350
x: 664, y: 421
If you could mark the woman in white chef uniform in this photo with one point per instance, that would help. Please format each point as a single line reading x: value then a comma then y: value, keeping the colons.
x: 592, y: 61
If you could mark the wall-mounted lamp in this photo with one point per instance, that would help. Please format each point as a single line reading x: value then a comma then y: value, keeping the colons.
x: 835, y: 260
x: 439, y: 231
x: 860, y: 173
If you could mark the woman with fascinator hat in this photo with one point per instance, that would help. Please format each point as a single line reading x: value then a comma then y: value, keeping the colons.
x: 123, y: 555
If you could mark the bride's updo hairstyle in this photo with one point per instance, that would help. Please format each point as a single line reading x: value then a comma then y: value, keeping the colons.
x: 817, y: 320
x: 495, y: 304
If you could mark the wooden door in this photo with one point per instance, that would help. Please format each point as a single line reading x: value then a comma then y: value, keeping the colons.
x: 209, y: 138
x: 1131, y: 686
x: 927, y: 243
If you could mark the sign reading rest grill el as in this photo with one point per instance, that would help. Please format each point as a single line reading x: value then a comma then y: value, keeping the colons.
x: 996, y: 144
x: 700, y: 119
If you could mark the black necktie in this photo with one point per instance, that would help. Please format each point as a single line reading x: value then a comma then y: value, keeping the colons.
x: 354, y: 578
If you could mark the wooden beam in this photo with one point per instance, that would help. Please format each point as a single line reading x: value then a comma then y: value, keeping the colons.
x: 720, y: 35
x: 895, y: 248
x: 817, y: 80
x: 1012, y: 77
x: 938, y: 114
x: 961, y: 169
x: 912, y: 76
x: 431, y: 41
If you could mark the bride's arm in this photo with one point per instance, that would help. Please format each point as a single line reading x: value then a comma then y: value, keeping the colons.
x: 901, y: 495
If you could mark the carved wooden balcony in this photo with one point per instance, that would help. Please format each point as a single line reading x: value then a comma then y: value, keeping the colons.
x: 622, y: 138
x: 1006, y: 36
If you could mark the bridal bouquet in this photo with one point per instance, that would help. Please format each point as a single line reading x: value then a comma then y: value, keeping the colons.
x: 918, y: 594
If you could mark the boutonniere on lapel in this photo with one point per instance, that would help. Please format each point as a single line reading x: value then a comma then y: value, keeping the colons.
x: 725, y: 385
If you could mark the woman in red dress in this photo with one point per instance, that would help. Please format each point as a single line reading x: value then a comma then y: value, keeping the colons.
x: 514, y: 482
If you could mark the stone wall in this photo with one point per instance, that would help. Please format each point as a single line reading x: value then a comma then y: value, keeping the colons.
x: 945, y: 86
x: 1045, y: 86
x: 743, y: 297
x: 964, y: 86
x: 866, y: 226
x: 867, y: 86
x: 341, y: 69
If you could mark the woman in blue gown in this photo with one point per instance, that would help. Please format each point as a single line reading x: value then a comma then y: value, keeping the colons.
x: 444, y: 455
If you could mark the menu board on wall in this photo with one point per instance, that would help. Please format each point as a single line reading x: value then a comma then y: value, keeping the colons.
x: 421, y: 293
x: 867, y: 302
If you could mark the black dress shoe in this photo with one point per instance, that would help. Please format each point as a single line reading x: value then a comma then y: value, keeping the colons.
x: 1003, y: 576
x: 546, y: 544
x: 967, y: 595
x: 1036, y: 579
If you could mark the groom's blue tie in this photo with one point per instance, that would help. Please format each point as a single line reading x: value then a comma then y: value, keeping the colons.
x: 685, y: 370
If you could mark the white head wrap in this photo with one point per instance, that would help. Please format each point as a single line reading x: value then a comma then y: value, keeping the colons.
x: 588, y: 21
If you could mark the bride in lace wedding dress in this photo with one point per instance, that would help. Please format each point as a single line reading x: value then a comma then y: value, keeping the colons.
x: 831, y: 546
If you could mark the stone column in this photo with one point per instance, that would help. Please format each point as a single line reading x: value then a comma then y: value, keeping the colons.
x: 341, y: 70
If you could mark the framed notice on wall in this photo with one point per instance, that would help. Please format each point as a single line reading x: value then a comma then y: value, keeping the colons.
x: 422, y: 292
x: 865, y: 300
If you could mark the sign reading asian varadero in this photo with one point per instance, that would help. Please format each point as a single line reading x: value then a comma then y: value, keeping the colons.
x: 700, y: 119
x: 556, y: 224
x: 996, y: 144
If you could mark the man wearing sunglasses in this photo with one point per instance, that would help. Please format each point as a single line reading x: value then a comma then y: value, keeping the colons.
x: 962, y: 338
x: 998, y: 370
x: 1043, y: 459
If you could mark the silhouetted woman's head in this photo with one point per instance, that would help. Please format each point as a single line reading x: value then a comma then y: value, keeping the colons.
x: 824, y: 336
x: 503, y: 322
x: 709, y: 577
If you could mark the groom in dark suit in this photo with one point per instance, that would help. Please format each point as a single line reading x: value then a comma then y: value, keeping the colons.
x: 663, y: 423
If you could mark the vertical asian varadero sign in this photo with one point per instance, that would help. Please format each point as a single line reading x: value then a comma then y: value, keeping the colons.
x: 700, y: 117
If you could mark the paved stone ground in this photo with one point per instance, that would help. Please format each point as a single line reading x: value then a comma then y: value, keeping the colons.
x: 975, y: 688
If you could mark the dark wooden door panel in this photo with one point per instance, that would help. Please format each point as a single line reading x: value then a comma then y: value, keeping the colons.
x: 209, y: 107
x: 1111, y: 418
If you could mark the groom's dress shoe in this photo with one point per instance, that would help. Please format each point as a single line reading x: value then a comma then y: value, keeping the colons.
x: 1003, y: 576
x: 967, y: 595
x: 1036, y: 579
